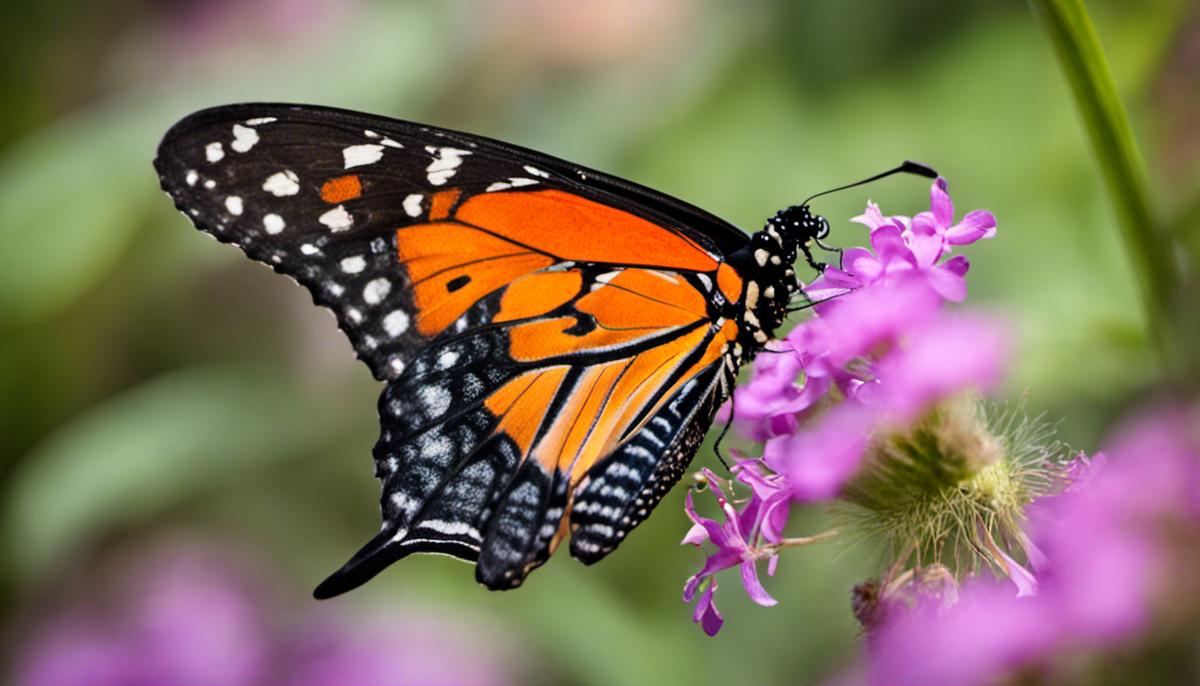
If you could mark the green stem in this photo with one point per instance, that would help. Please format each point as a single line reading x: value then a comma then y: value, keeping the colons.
x: 1155, y: 255
x: 798, y: 542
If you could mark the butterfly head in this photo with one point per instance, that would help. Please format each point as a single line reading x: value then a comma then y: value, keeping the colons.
x: 797, y: 223
x: 796, y: 228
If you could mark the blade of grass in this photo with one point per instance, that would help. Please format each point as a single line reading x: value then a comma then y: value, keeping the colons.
x: 1157, y: 259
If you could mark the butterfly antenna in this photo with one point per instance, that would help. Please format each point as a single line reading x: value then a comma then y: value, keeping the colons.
x: 908, y: 167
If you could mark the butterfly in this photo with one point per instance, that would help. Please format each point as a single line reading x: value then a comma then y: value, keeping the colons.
x: 554, y: 341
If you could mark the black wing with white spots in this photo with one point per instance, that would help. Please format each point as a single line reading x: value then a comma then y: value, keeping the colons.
x: 508, y: 298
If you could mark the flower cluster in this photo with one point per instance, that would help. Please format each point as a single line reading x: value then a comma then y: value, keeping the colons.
x: 191, y: 616
x: 879, y: 354
x: 1118, y: 548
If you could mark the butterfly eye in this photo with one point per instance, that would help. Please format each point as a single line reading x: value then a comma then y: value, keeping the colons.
x: 824, y: 230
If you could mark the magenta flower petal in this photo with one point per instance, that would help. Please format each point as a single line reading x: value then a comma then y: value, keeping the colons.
x: 927, y: 245
x: 950, y: 355
x: 957, y: 265
x: 1022, y: 578
x: 978, y: 224
x: 706, y: 613
x: 947, y: 284
x: 986, y: 633
x: 940, y: 203
x: 888, y: 244
x: 752, y: 585
x: 871, y: 218
x: 697, y: 535
x: 818, y: 460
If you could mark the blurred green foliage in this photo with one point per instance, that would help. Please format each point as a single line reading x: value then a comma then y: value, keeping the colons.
x: 152, y: 381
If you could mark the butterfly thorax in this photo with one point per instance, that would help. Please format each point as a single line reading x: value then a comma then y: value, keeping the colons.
x: 768, y: 264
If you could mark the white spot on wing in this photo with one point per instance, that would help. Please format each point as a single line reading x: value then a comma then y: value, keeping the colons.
x: 396, y: 364
x: 213, y: 152
x: 390, y: 143
x: 282, y: 183
x: 273, y: 223
x: 511, y: 183
x: 191, y: 177
x: 435, y: 399
x: 376, y: 290
x: 244, y: 138
x: 444, y: 164
x: 403, y: 502
x: 537, y: 172
x: 310, y: 249
x: 259, y: 120
x: 358, y: 155
x: 412, y: 205
x: 337, y: 219
x: 353, y: 264
x: 447, y: 359
x: 234, y: 204
x: 395, y: 323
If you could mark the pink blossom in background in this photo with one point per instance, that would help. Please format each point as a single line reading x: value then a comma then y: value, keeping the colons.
x: 191, y: 621
x: 1103, y: 570
x: 193, y: 616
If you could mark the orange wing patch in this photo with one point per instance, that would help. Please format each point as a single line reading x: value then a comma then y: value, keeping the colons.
x: 575, y: 228
x: 537, y: 294
x: 341, y: 189
x: 521, y: 404
x: 641, y: 378
x: 493, y: 239
x: 547, y: 338
x: 441, y: 202
x: 729, y: 283
x: 452, y: 266
x: 644, y: 298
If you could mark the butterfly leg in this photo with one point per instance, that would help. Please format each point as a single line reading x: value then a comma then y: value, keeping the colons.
x: 830, y: 248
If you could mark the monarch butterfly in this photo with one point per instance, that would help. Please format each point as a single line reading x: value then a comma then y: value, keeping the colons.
x: 554, y: 340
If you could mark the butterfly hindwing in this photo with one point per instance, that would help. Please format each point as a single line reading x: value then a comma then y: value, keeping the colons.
x: 537, y: 323
x: 621, y: 490
x: 486, y: 444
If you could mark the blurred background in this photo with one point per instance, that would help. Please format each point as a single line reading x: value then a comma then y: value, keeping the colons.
x: 185, y: 440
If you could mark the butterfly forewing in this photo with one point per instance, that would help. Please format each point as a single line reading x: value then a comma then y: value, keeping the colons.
x: 548, y: 333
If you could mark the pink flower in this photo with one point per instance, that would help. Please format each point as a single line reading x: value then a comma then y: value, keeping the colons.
x: 194, y: 617
x: 879, y: 351
x: 1102, y: 554
x: 976, y: 225
x: 737, y: 540
x: 818, y: 460
x: 902, y: 246
x: 769, y: 404
x: 987, y: 630
x: 947, y: 355
x: 892, y: 353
